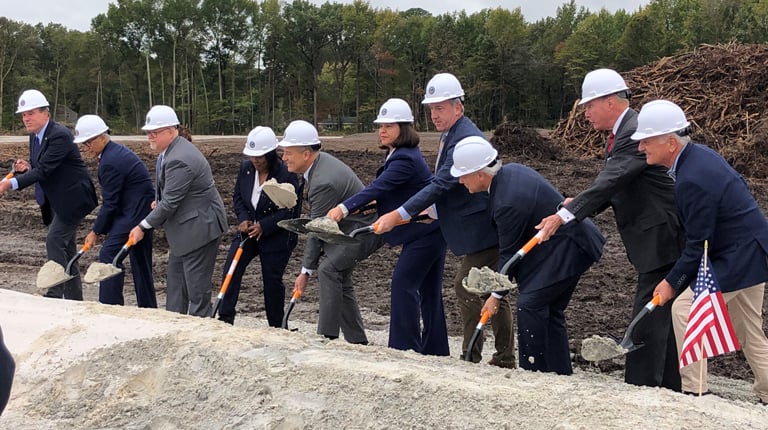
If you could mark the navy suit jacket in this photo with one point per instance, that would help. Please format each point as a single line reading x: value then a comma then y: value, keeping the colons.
x: 714, y: 204
x: 266, y: 212
x: 62, y: 174
x: 520, y: 198
x: 642, y: 198
x: 126, y: 190
x: 404, y: 173
x: 464, y: 217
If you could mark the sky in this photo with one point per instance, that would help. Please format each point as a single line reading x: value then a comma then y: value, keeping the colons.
x: 77, y: 14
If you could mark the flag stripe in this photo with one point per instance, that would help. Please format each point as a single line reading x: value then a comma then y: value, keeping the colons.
x: 709, y: 331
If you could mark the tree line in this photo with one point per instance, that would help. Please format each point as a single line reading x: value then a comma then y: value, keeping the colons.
x: 229, y: 65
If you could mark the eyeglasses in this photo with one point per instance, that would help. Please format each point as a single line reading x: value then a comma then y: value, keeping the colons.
x: 89, y: 142
x: 155, y: 133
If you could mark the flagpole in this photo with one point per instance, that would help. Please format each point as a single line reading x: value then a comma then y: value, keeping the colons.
x: 701, y: 362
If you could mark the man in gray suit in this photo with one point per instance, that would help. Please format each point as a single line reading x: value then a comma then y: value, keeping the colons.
x: 642, y: 199
x: 329, y: 182
x: 188, y: 206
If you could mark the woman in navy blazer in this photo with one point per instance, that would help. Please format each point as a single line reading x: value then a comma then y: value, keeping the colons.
x: 258, y: 215
x: 417, y: 317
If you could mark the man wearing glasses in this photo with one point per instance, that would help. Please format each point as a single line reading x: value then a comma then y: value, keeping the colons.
x: 63, y: 186
x: 188, y: 206
x: 126, y: 198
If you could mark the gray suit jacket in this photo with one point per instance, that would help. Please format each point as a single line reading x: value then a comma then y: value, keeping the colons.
x: 329, y: 183
x: 642, y: 199
x: 189, y: 206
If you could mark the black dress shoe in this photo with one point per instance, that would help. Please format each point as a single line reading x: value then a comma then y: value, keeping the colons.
x: 696, y: 393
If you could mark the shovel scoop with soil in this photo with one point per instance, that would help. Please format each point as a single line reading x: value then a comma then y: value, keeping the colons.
x: 53, y: 273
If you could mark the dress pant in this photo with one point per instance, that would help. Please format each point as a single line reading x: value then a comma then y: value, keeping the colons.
x: 273, y: 265
x: 338, y: 304
x: 60, y: 247
x: 140, y: 254
x: 471, y: 304
x: 542, y: 333
x: 189, y: 284
x: 7, y: 368
x: 656, y: 363
x: 417, y: 316
x: 745, y: 308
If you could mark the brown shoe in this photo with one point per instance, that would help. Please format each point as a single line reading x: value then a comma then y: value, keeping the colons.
x: 504, y: 364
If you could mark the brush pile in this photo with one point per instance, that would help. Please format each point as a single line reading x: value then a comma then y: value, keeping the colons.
x: 723, y: 90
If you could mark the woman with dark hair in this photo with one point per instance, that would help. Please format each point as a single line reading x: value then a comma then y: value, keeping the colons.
x: 417, y: 317
x: 258, y: 215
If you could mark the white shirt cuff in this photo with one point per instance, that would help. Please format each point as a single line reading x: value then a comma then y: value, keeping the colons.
x: 14, y: 183
x: 307, y: 271
x: 145, y: 224
x: 344, y: 209
x: 497, y: 296
x: 565, y: 215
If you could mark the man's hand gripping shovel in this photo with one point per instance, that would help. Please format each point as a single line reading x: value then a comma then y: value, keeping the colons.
x: 483, y: 282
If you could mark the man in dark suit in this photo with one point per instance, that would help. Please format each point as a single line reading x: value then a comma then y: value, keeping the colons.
x: 258, y: 216
x: 63, y: 187
x: 464, y: 217
x: 643, y: 204
x: 7, y: 369
x: 548, y: 274
x: 188, y: 206
x: 328, y: 182
x: 714, y: 205
x: 126, y: 198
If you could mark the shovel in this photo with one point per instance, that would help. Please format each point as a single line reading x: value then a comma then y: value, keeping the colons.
x: 626, y: 342
x: 512, y: 262
x: 294, y: 299
x: 374, y: 227
x: 478, y: 329
x: 299, y: 226
x: 228, y: 278
x: 54, y: 270
x: 98, y: 272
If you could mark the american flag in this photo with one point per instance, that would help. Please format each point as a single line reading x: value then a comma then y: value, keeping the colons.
x: 709, y: 331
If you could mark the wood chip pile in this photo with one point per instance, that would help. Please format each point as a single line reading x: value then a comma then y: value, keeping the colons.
x: 523, y: 143
x: 723, y: 90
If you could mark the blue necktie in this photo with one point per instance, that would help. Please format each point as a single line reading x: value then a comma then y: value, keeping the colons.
x: 39, y: 194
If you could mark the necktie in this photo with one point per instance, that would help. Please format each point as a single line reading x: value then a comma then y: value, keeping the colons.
x: 439, y: 151
x: 610, y: 144
x: 39, y: 194
x: 158, y: 170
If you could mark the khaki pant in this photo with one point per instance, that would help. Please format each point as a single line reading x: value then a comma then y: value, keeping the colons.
x: 745, y: 308
x: 470, y: 305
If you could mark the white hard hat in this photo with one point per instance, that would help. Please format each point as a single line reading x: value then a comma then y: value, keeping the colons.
x: 88, y: 127
x: 31, y: 99
x: 601, y: 82
x: 472, y: 154
x: 659, y: 117
x: 442, y: 87
x: 160, y: 116
x: 299, y: 133
x: 260, y: 141
x: 394, y: 110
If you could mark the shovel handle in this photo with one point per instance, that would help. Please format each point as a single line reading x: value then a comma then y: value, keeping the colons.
x: 86, y: 246
x: 9, y: 175
x: 296, y: 295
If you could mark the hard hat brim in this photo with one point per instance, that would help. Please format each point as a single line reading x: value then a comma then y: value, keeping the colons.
x: 27, y: 109
x: 257, y: 152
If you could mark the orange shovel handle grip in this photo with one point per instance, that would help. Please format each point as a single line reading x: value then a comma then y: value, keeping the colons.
x: 484, y: 317
x: 9, y: 175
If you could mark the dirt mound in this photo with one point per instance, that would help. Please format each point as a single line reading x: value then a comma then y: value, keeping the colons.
x: 85, y: 365
x: 723, y: 90
x: 525, y: 143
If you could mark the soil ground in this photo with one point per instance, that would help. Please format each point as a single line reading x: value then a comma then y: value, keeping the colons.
x: 601, y: 304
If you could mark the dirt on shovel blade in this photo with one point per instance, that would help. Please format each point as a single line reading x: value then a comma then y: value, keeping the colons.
x: 597, y: 348
x: 324, y: 225
x: 50, y: 274
x: 99, y: 271
x: 486, y: 280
